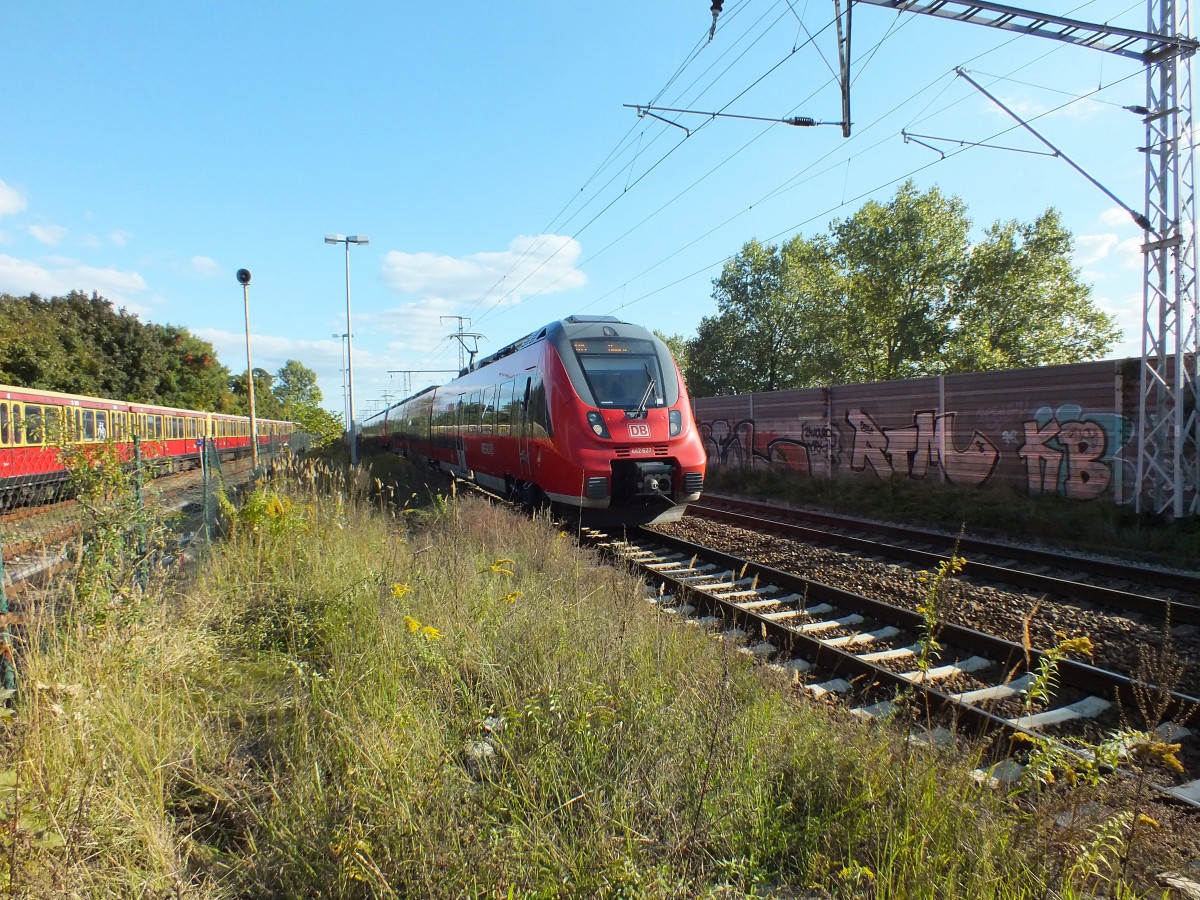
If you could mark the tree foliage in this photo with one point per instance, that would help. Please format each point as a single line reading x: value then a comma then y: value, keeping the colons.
x: 80, y: 344
x: 898, y: 290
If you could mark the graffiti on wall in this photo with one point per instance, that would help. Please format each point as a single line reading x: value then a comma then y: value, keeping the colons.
x: 914, y: 449
x: 738, y: 443
x: 1068, y: 453
x: 1062, y: 450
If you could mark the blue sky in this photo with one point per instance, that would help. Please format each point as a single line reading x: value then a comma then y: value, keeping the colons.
x: 152, y: 149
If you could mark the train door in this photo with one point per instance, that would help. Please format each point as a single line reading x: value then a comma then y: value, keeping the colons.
x: 521, y: 423
x: 460, y: 434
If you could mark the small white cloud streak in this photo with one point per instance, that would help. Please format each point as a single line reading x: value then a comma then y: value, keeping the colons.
x: 271, y: 352
x: 1129, y: 253
x: 1114, y: 216
x: 118, y: 238
x: 50, y: 235
x: 11, y: 202
x: 1091, y: 248
x: 203, y: 267
x: 62, y: 275
x: 531, y: 265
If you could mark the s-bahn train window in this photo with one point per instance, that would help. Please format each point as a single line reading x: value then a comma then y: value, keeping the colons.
x: 619, y: 371
x: 34, y: 432
x: 5, y: 425
x: 89, y: 425
x: 102, y: 425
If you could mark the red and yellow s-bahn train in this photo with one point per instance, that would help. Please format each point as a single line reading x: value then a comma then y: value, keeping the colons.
x: 35, y: 425
x: 589, y: 413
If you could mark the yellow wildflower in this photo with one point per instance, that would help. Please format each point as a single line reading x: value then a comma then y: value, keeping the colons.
x: 412, y: 624
x: 399, y: 590
x: 499, y: 566
x: 430, y: 633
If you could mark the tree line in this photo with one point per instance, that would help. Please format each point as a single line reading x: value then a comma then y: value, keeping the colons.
x: 81, y: 344
x: 898, y: 290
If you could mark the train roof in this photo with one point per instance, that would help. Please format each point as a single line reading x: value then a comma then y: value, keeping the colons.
x: 12, y: 392
x: 571, y: 324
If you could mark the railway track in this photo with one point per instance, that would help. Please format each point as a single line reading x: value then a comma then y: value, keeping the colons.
x: 1122, y: 584
x: 839, y: 643
x: 36, y: 538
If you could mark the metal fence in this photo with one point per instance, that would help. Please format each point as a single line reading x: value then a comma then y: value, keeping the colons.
x: 48, y: 501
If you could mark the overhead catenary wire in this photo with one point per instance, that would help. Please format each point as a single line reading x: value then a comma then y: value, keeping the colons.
x: 781, y: 189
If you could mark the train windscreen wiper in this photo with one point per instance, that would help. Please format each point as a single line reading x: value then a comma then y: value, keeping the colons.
x: 644, y: 405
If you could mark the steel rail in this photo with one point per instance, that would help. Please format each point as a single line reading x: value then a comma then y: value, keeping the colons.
x: 1182, y: 581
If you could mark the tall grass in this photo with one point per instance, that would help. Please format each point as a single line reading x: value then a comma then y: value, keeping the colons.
x: 350, y: 699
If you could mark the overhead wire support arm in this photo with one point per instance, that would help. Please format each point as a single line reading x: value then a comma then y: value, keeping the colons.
x: 911, y: 137
x: 1144, y: 46
x: 799, y: 121
x: 1140, y: 218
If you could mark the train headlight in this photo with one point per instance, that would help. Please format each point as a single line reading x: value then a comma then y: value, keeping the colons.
x: 597, y: 422
x: 676, y: 422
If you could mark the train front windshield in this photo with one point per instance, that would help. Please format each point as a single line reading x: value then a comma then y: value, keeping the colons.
x: 622, y: 373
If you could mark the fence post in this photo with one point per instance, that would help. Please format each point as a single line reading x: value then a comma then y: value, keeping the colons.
x: 140, y: 499
x: 8, y: 668
x: 201, y: 445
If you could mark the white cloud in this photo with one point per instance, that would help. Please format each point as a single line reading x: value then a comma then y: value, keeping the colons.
x: 270, y: 352
x: 1129, y: 253
x: 118, y: 238
x: 203, y: 266
x: 60, y: 275
x: 541, y: 264
x: 10, y: 201
x: 1115, y: 216
x: 50, y: 235
x: 1091, y: 248
x: 417, y: 326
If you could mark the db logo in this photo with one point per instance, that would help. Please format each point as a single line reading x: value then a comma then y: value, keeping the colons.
x: 642, y: 431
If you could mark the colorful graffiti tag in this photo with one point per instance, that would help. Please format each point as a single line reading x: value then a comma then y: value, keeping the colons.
x: 1064, y: 450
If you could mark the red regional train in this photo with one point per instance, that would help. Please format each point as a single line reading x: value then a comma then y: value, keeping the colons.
x: 589, y: 413
x: 36, y: 424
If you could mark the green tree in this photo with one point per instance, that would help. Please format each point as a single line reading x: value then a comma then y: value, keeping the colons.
x: 901, y: 261
x: 1020, y: 302
x: 300, y: 402
x: 296, y: 388
x: 897, y: 291
x: 678, y: 345
x: 80, y: 344
x: 770, y: 331
x: 266, y: 404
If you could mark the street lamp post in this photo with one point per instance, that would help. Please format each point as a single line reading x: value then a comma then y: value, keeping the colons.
x: 243, y: 277
x: 345, y: 401
x: 348, y: 240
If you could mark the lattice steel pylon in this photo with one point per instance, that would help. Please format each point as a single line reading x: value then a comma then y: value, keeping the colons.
x: 1168, y: 427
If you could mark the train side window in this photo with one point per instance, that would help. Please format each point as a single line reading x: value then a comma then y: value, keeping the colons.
x: 35, y: 433
x: 102, y: 425
x: 18, y: 424
x: 538, y: 412
x: 89, y: 425
x: 503, y: 407
x: 5, y: 425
